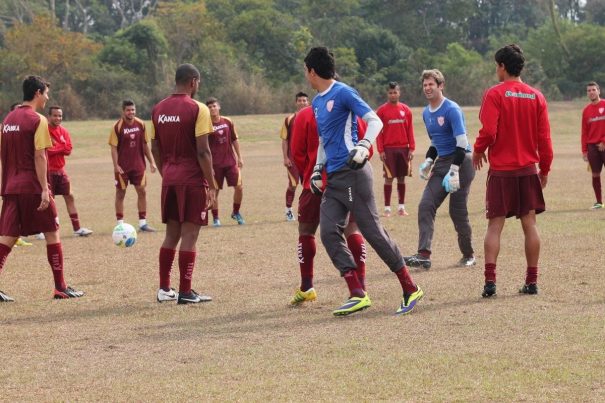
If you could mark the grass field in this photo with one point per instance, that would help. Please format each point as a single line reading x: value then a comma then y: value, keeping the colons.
x: 118, y: 344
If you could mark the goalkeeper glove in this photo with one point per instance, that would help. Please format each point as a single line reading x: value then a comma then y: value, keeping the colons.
x: 451, y: 181
x: 425, y: 169
x: 359, y: 154
x: 317, y: 182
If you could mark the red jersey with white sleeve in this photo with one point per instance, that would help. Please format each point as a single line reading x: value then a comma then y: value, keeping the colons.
x: 61, y: 147
x: 515, y: 128
x: 130, y: 139
x: 593, y: 125
x: 221, y: 143
x: 397, y: 130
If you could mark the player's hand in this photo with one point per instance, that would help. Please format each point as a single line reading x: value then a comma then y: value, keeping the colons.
x: 601, y: 146
x: 358, y: 156
x: 287, y: 162
x: 383, y: 156
x: 543, y: 180
x: 585, y: 157
x: 424, y: 170
x: 152, y: 168
x: 451, y: 181
x: 478, y: 160
x: 240, y: 162
x: 210, y: 198
x: 45, y: 202
x: 410, y: 156
x: 317, y: 183
x: 118, y: 169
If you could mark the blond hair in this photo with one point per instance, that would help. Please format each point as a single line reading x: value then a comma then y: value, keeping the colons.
x: 434, y: 74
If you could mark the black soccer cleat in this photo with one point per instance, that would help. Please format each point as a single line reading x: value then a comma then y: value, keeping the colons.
x: 489, y: 289
x: 417, y: 260
x: 5, y: 298
x: 192, y: 298
x: 67, y: 293
x: 531, y: 289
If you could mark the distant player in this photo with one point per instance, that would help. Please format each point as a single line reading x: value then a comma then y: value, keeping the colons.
x: 448, y: 168
x: 128, y: 140
x: 180, y: 130
x: 227, y: 160
x: 396, y: 146
x: 304, y: 141
x: 28, y: 206
x: 593, y: 138
x: 59, y: 181
x: 516, y: 133
x: 302, y: 100
x: 349, y: 188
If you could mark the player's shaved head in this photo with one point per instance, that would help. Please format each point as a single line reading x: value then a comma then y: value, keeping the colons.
x: 33, y: 84
x: 185, y: 73
x: 321, y: 60
x: 511, y: 56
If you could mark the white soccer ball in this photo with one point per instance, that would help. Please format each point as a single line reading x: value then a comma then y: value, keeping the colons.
x: 124, y: 235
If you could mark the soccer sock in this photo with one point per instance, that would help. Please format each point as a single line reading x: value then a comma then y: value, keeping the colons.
x: 306, y: 253
x: 289, y: 197
x: 401, y: 192
x: 142, y: 215
x: 166, y: 259
x: 531, y: 277
x: 75, y: 221
x: 490, y: 272
x: 388, y: 189
x: 596, y: 185
x: 186, y: 264
x: 4, y: 251
x: 355, y: 288
x: 358, y: 249
x: 424, y: 253
x: 120, y: 217
x: 406, y: 281
x: 236, y: 207
x: 214, y: 213
x: 54, y: 253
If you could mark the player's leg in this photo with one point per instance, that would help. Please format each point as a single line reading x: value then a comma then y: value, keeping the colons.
x: 70, y: 203
x: 458, y: 210
x: 291, y: 191
x: 596, y: 159
x: 234, y: 179
x: 219, y: 177
x: 357, y: 245
x: 6, y: 245
x: 402, y: 172
x: 121, y: 182
x: 166, y: 259
x: 491, y: 248
x: 388, y: 174
x: 9, y: 230
x: 139, y: 180
x: 532, y: 252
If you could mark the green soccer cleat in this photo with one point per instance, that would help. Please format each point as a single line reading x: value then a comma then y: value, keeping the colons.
x: 238, y: 217
x: 597, y: 206
x: 408, y: 302
x: 353, y: 304
x: 303, y: 296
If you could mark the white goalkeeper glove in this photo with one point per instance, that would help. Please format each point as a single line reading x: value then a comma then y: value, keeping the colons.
x: 424, y: 169
x: 317, y: 182
x: 359, y: 154
x: 451, y: 181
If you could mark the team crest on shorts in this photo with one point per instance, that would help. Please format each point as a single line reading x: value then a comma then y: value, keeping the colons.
x: 440, y: 120
x: 330, y: 105
x: 203, y: 215
x: 601, y: 110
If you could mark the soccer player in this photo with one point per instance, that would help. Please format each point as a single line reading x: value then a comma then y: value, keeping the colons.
x: 59, y: 181
x: 448, y: 169
x: 593, y: 138
x: 180, y: 130
x: 227, y: 160
x: 28, y: 206
x: 349, y: 186
x: 396, y: 146
x: 304, y: 141
x: 302, y: 100
x: 516, y: 132
x: 129, y: 148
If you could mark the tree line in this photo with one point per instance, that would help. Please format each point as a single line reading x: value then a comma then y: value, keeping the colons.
x: 250, y: 52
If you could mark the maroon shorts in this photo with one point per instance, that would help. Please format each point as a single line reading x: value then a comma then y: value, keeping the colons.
x: 293, y: 175
x: 184, y: 204
x: 308, y: 207
x: 231, y: 173
x: 59, y: 183
x: 510, y: 195
x: 396, y: 163
x: 596, y: 158
x: 136, y: 178
x: 20, y: 216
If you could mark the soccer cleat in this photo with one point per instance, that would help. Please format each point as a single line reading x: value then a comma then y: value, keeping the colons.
x: 5, y: 298
x: 353, y: 304
x: 596, y: 206
x: 531, y: 289
x: 40, y: 236
x: 290, y: 216
x: 67, y: 293
x: 82, y: 232
x: 387, y: 212
x: 146, y: 228
x: 303, y: 296
x: 489, y: 289
x: 169, y: 295
x: 22, y: 242
x: 418, y: 260
x: 408, y: 302
x: 401, y: 212
x: 238, y: 217
x: 216, y: 222
x: 467, y: 261
x: 192, y: 298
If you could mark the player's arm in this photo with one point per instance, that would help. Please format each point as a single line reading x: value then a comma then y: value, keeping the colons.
x: 240, y: 161
x: 67, y: 147
x: 584, y: 136
x: 380, y: 138
x: 204, y: 159
x: 149, y: 156
x: 283, y: 134
x: 113, y: 143
x: 489, y: 115
x: 298, y: 143
x: 42, y: 141
x: 410, y: 132
x: 545, y: 150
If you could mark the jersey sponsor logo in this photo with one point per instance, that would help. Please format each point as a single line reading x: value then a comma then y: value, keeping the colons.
x: 10, y: 128
x: 128, y: 130
x: 601, y: 110
x: 395, y: 121
x: 598, y: 118
x: 350, y: 190
x: 219, y: 127
x: 441, y: 120
x: 169, y: 119
x: 330, y: 105
x: 519, y: 95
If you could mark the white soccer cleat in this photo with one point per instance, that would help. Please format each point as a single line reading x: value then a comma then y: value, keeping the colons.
x: 170, y: 295
x: 40, y: 237
x: 83, y: 232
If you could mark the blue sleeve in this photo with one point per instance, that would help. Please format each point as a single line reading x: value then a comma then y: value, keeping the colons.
x: 456, y: 118
x: 355, y: 103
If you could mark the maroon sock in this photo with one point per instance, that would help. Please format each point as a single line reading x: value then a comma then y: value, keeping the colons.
x: 596, y: 185
x: 142, y: 215
x: 119, y: 216
x: 355, y: 288
x: 306, y: 254
x: 388, y: 189
x: 75, y: 221
x: 406, y: 281
x: 4, y: 251
x: 186, y: 264
x: 401, y: 192
x: 531, y: 277
x: 424, y: 253
x: 358, y: 249
x: 214, y: 213
x: 236, y: 207
x: 289, y: 197
x: 490, y: 272
x: 166, y: 259
x: 54, y: 253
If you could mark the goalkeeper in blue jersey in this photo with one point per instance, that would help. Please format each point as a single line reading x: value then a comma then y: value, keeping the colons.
x: 349, y: 187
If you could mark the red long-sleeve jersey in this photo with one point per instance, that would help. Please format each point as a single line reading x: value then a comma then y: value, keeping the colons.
x: 593, y: 125
x: 61, y: 147
x: 397, y: 130
x: 515, y: 128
